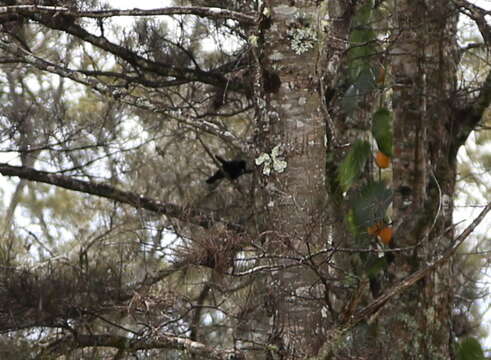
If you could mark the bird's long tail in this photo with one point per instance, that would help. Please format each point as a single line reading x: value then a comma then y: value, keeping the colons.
x: 217, y: 176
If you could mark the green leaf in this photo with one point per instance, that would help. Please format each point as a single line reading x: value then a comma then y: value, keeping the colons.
x: 371, y: 204
x: 364, y: 14
x: 361, y: 37
x: 352, y: 165
x: 382, y: 130
x: 359, y: 57
x: 362, y: 42
x: 350, y: 222
x: 366, y: 81
x: 350, y: 100
x: 470, y: 349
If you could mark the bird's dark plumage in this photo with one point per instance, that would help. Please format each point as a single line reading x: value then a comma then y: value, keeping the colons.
x: 230, y: 169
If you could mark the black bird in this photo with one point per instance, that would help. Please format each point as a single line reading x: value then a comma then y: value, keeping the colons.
x: 230, y: 169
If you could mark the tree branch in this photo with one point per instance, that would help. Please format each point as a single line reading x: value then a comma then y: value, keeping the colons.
x: 160, y: 341
x: 165, y: 70
x: 206, y: 12
x: 120, y: 93
x: 466, y: 119
x: 369, y: 310
x: 478, y: 15
x: 410, y: 280
x: 193, y: 216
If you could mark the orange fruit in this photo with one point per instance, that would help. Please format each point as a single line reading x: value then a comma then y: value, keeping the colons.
x: 382, y: 160
x: 385, y: 235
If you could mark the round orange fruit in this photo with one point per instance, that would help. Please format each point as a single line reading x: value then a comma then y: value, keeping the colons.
x: 382, y: 160
x: 385, y: 235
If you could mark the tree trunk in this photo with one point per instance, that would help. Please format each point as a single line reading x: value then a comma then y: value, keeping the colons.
x: 290, y: 118
x: 423, y: 68
x: 422, y: 65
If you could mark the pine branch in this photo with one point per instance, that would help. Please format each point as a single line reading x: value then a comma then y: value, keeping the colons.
x: 119, y: 93
x: 194, y: 216
x: 62, y: 20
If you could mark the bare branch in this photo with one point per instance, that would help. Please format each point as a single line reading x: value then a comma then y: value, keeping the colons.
x: 467, y: 119
x: 410, y: 280
x: 372, y: 308
x: 159, y: 341
x: 119, y: 93
x: 193, y: 216
x: 206, y: 12
x: 478, y: 15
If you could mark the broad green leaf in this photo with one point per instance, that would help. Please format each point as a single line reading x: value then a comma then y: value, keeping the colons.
x: 470, y: 349
x: 350, y: 100
x: 371, y: 204
x: 366, y: 81
x: 359, y: 57
x: 362, y: 85
x: 361, y: 37
x: 352, y: 165
x: 363, y: 14
x: 382, y: 130
x: 362, y: 42
x: 351, y: 224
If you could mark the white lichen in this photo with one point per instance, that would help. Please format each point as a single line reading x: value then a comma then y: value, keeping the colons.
x: 285, y: 10
x: 272, y: 162
x: 276, y: 56
x: 266, y: 160
x: 302, y: 40
x: 253, y: 39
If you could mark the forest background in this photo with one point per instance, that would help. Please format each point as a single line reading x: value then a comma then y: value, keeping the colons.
x: 115, y: 247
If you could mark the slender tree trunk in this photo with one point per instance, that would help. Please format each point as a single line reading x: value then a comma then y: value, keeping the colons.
x: 290, y: 118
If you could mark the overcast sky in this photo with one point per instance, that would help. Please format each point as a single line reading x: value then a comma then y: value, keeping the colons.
x: 140, y: 4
